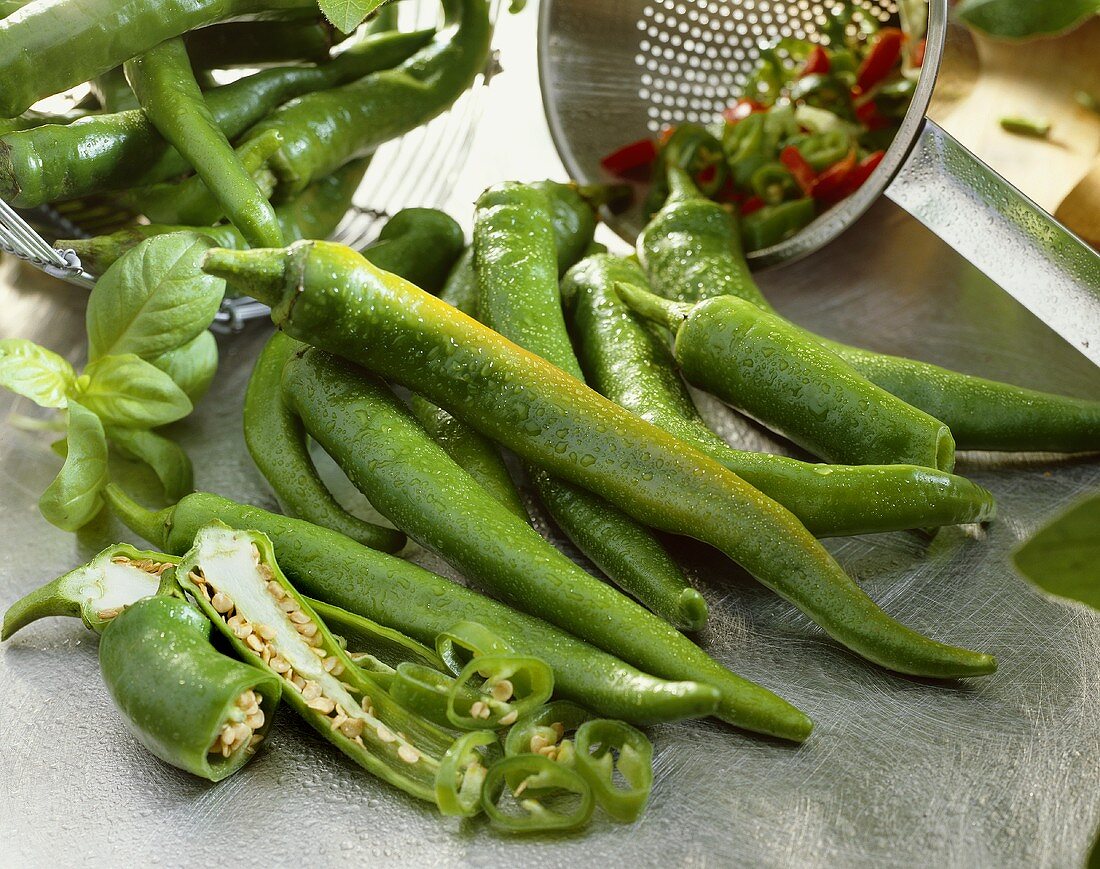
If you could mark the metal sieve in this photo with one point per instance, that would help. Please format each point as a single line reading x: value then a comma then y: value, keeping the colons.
x: 617, y: 70
x: 418, y: 169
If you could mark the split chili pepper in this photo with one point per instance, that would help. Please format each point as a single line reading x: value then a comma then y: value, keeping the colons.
x: 95, y: 592
x: 235, y: 579
x: 187, y: 703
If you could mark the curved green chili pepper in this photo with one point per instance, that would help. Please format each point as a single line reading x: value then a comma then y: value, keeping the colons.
x: 422, y: 605
x: 325, y: 129
x: 257, y: 43
x: 627, y: 362
x: 95, y: 592
x: 540, y: 777
x: 165, y: 87
x: 315, y: 213
x: 420, y: 244
x: 113, y: 92
x: 277, y: 443
x: 45, y: 49
x: 768, y: 368
x: 329, y: 295
x: 692, y: 251
x: 411, y: 481
x: 190, y: 202
x: 103, y: 153
x: 604, y: 747
x: 187, y: 703
x: 235, y: 579
x: 515, y: 259
x: 462, y: 774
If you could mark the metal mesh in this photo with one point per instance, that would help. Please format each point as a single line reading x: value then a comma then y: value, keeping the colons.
x: 695, y: 55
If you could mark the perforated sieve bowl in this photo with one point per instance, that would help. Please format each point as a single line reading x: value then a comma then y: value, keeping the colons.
x: 618, y: 70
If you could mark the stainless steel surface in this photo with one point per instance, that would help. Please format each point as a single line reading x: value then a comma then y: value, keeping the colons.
x: 1011, y: 239
x: 638, y: 65
x: 1000, y: 772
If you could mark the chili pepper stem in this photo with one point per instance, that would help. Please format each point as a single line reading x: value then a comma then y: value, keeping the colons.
x: 149, y: 524
x: 40, y: 603
x: 644, y: 303
x: 259, y: 272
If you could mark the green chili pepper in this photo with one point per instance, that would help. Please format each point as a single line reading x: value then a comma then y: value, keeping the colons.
x: 411, y: 481
x: 95, y: 592
x: 45, y: 49
x: 256, y: 43
x: 424, y: 690
x: 277, y: 443
x: 315, y: 213
x: 103, y: 153
x: 629, y: 363
x: 824, y: 92
x: 325, y: 129
x: 540, y: 778
x: 462, y: 774
x: 1037, y: 128
x: 235, y: 579
x: 187, y: 703
x: 772, y: 182
x: 464, y: 641
x: 604, y: 747
x: 692, y: 251
x: 407, y: 598
x: 822, y: 150
x: 190, y: 202
x: 169, y: 96
x: 516, y: 263
x: 420, y: 244
x: 775, y: 223
x: 328, y: 295
x: 762, y: 365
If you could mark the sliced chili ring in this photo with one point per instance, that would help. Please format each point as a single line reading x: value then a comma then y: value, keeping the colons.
x: 461, y: 776
x: 597, y: 743
x: 540, y: 779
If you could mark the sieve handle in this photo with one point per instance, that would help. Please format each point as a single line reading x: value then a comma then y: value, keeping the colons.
x: 1014, y: 242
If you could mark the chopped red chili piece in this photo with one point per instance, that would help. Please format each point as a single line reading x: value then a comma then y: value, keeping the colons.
x: 918, y: 53
x: 817, y: 61
x: 728, y: 192
x: 802, y: 171
x: 665, y: 135
x: 884, y: 54
x: 705, y: 176
x: 742, y: 109
x: 753, y: 203
x: 631, y: 157
x: 868, y: 115
x: 832, y: 182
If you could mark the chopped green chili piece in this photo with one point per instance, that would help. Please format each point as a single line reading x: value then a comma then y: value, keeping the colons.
x: 540, y: 781
x: 602, y: 746
x: 1038, y: 128
x: 462, y: 772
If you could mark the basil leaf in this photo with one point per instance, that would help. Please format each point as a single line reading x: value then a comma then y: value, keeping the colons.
x: 154, y: 298
x: 167, y: 458
x: 1064, y: 557
x: 128, y: 391
x: 1021, y: 19
x: 35, y: 372
x: 192, y: 366
x: 346, y: 15
x: 73, y: 498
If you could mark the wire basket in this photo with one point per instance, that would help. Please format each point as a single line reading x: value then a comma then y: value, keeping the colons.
x: 419, y: 168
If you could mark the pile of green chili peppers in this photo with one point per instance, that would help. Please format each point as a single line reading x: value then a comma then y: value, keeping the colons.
x: 520, y: 697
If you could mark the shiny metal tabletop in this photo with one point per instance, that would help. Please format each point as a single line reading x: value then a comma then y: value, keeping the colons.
x: 998, y: 772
